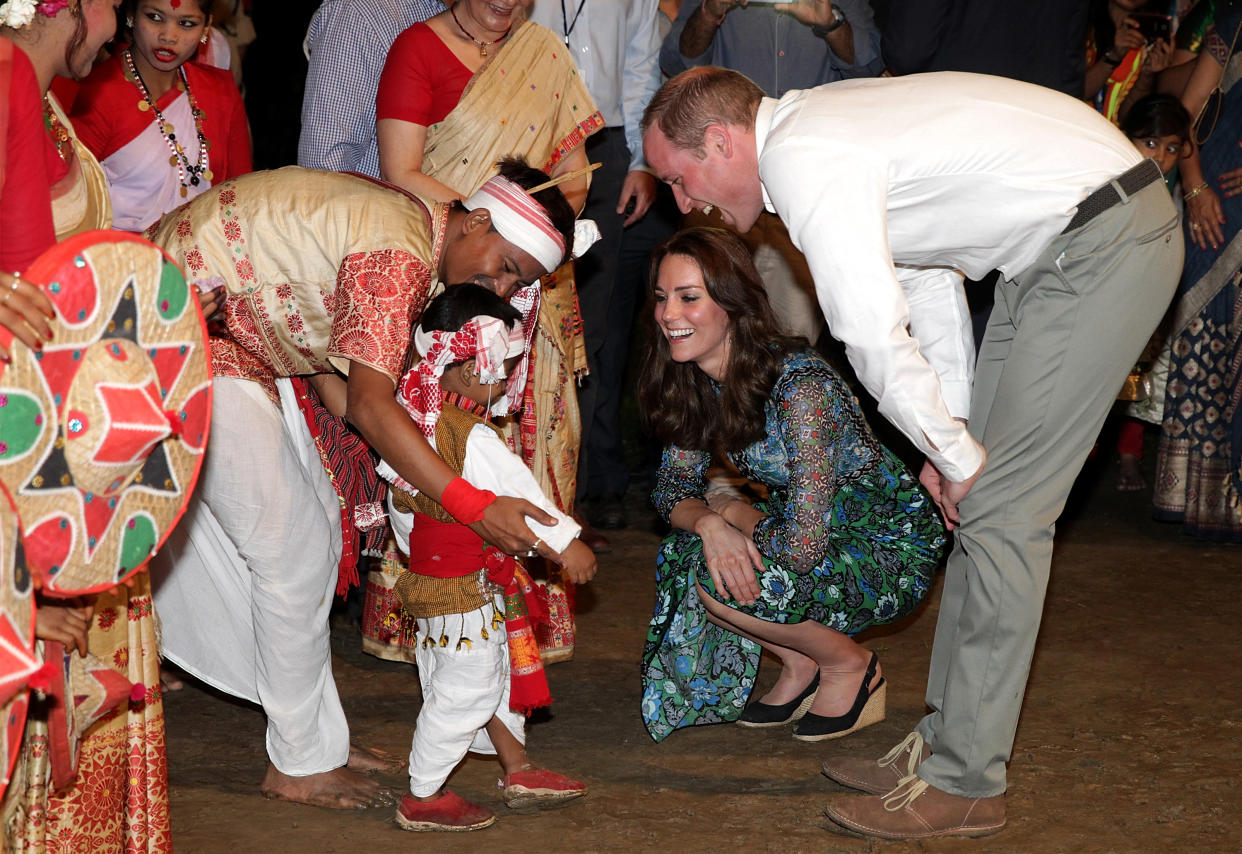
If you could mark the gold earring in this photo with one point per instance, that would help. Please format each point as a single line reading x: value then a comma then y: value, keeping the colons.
x: 203, y: 40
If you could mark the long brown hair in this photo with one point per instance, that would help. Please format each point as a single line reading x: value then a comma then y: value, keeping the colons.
x: 677, y: 402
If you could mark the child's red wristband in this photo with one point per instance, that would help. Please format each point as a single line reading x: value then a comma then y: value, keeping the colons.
x: 465, y: 503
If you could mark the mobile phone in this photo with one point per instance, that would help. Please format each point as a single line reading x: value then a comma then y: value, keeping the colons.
x: 1154, y: 25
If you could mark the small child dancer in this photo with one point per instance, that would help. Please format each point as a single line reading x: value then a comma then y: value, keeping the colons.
x: 478, y: 662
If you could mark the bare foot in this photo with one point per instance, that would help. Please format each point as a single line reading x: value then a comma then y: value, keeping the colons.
x: 169, y: 678
x: 839, y: 687
x: 338, y: 789
x: 369, y: 760
x: 1130, y: 475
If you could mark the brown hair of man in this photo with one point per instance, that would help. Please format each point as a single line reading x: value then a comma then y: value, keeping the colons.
x: 694, y: 99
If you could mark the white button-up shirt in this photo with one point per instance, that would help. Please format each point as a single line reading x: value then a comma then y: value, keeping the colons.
x: 890, y: 187
x: 616, y: 45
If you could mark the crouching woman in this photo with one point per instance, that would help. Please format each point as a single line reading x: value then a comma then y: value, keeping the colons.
x: 845, y: 540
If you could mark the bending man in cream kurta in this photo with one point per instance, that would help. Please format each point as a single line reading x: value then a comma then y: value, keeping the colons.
x: 319, y: 272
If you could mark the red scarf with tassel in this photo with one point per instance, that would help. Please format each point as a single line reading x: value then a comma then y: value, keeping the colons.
x: 348, y: 460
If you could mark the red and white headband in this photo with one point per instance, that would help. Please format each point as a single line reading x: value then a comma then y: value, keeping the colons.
x: 520, y: 220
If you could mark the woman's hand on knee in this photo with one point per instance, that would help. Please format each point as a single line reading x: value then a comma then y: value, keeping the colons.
x: 732, y: 558
x: 737, y: 512
x: 1205, y: 216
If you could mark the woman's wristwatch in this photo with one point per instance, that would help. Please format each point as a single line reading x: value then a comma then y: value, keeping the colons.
x: 838, y: 20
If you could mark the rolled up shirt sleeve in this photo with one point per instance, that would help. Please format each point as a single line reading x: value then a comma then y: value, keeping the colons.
x: 867, y: 60
x: 672, y: 62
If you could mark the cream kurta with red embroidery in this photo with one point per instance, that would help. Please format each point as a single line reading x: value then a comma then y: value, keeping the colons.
x: 321, y: 269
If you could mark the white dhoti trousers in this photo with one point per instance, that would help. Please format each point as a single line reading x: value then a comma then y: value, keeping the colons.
x: 244, y: 584
x: 462, y: 691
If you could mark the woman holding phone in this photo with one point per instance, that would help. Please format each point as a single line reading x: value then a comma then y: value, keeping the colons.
x: 1129, y: 42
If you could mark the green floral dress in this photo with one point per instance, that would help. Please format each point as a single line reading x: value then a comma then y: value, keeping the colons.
x: 851, y: 542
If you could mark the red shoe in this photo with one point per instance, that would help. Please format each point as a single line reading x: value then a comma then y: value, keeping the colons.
x: 450, y: 811
x: 537, y: 788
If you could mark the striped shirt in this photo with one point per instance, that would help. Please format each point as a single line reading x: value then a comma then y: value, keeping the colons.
x: 347, y: 45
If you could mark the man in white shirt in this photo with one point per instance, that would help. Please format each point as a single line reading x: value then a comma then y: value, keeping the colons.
x: 893, y: 188
x: 616, y: 45
x: 799, y: 46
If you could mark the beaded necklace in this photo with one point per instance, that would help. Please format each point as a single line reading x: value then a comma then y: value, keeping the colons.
x: 60, y: 134
x: 189, y: 174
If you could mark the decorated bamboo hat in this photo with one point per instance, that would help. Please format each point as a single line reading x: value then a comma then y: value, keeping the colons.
x: 103, y: 430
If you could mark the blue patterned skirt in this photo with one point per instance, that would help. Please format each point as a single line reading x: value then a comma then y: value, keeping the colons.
x: 695, y: 672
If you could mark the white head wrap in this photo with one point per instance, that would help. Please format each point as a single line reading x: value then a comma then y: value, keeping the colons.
x: 520, y: 220
x: 484, y: 339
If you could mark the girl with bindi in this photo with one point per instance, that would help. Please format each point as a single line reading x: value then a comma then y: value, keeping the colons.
x: 164, y: 127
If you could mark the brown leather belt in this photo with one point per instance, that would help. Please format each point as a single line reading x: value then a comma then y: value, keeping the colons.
x: 1132, y: 180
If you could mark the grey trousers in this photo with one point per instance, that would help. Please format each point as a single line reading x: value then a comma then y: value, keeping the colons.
x: 1062, y: 336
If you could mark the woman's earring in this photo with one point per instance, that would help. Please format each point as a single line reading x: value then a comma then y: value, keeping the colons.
x: 204, y: 38
x: 129, y: 21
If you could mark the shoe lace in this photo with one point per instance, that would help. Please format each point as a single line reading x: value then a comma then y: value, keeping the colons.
x: 906, y: 792
x: 914, y: 743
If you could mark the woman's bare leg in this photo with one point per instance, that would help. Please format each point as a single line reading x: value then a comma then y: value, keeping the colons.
x: 797, y: 669
x: 841, y: 661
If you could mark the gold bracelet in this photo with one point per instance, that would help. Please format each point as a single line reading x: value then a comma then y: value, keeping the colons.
x: 1194, y: 191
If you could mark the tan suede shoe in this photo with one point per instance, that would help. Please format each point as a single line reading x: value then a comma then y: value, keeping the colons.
x: 878, y: 776
x: 915, y: 810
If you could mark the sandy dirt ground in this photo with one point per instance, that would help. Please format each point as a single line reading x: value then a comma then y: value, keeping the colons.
x: 1129, y: 741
